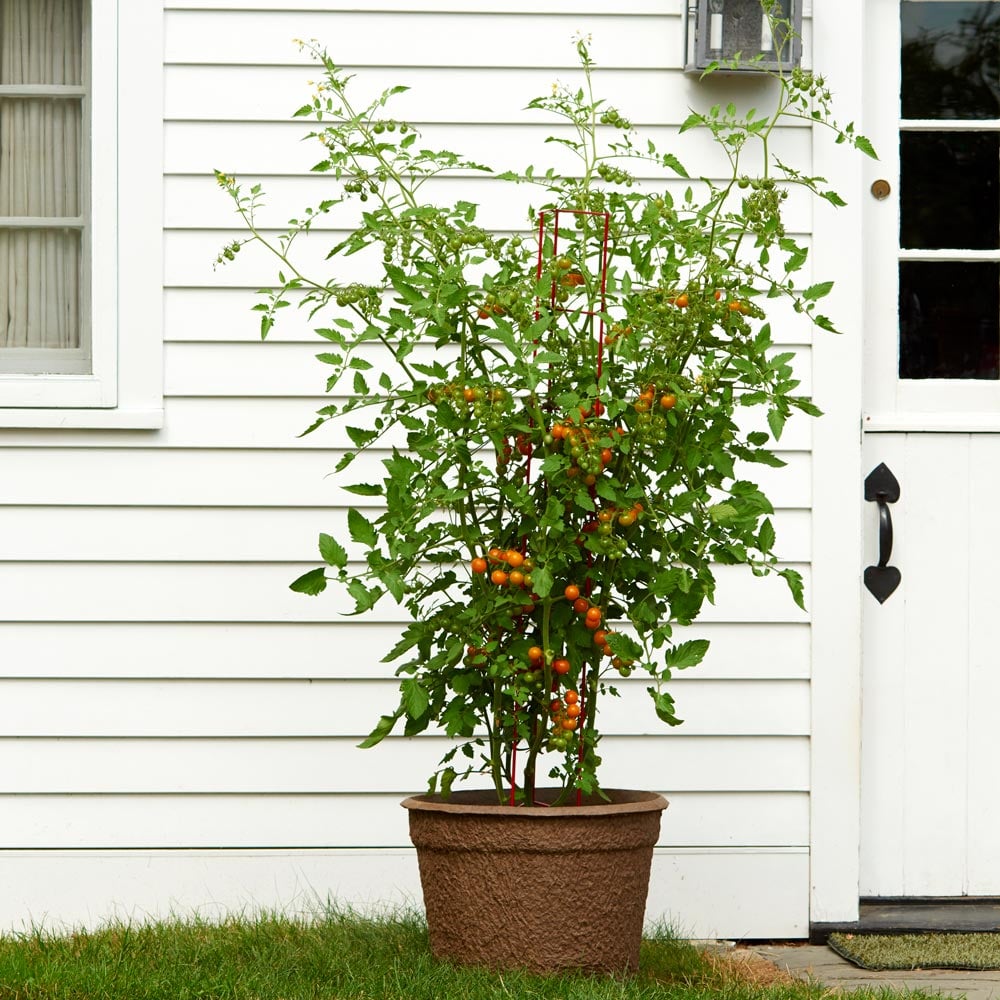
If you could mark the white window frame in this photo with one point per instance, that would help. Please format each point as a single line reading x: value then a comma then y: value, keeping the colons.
x: 124, y: 108
x: 893, y: 403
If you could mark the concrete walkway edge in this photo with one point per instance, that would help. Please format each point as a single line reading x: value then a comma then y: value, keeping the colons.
x: 822, y: 964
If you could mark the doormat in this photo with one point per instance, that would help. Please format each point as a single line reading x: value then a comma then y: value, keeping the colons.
x: 919, y: 951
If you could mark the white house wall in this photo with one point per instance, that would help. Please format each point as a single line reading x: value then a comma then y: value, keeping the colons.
x: 177, y: 728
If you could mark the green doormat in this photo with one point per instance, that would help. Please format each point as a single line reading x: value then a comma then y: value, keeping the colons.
x: 919, y: 951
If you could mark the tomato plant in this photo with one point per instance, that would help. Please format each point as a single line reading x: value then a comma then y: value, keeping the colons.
x: 558, y: 417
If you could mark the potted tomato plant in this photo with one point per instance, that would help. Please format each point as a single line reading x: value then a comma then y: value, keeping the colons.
x: 563, y: 414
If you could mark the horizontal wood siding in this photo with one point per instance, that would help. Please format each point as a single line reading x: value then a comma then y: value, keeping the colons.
x: 176, y: 726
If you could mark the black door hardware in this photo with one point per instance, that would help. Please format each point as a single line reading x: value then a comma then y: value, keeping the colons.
x: 882, y: 487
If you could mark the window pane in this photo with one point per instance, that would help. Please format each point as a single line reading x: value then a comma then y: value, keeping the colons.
x: 39, y: 288
x: 949, y: 195
x: 949, y: 319
x: 41, y: 41
x: 950, y: 59
x: 39, y: 157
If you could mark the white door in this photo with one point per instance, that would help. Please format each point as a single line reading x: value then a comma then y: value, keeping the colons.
x: 930, y: 812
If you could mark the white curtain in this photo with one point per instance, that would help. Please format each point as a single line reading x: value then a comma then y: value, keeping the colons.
x: 40, y: 175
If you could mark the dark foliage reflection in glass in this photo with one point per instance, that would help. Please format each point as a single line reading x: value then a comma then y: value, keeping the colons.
x: 949, y: 195
x: 949, y: 319
x: 950, y: 59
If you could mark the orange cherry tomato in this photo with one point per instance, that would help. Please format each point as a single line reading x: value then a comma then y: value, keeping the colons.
x: 572, y: 592
x: 560, y: 665
x: 536, y: 654
x: 573, y: 711
x: 580, y: 605
x: 479, y: 565
x: 499, y: 577
x: 571, y: 697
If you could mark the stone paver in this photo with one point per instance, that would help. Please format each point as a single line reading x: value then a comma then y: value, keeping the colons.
x: 824, y: 965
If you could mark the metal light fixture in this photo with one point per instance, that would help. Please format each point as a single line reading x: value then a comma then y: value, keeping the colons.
x: 717, y: 31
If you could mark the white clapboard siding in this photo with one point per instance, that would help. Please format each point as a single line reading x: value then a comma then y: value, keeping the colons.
x: 255, y: 592
x: 178, y: 729
x: 233, y: 478
x: 310, y: 708
x: 270, y: 423
x: 335, y: 765
x: 477, y: 94
x: 224, y: 534
x: 286, y: 369
x: 195, y: 201
x: 382, y: 37
x: 704, y: 893
x: 322, y: 820
x: 471, y: 7
x: 251, y: 150
x: 753, y: 650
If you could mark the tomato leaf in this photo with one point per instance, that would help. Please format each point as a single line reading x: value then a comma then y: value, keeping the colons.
x: 794, y: 580
x: 416, y: 700
x: 383, y: 727
x: 664, y: 706
x: 332, y: 551
x: 312, y: 583
x: 687, y: 654
x: 361, y: 529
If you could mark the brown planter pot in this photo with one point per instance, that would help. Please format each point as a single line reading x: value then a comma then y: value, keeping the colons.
x: 540, y: 888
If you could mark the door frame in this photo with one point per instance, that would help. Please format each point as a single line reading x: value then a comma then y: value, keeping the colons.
x: 835, y: 597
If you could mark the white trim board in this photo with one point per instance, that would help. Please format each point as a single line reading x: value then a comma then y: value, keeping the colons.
x: 735, y: 893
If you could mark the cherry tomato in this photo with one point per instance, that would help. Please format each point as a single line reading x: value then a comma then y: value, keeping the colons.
x: 573, y: 711
x: 514, y: 558
x: 479, y: 565
x: 594, y: 614
x: 571, y: 697
x: 560, y: 665
x: 668, y: 401
x: 536, y: 654
x: 499, y: 577
x: 516, y: 578
x: 572, y: 592
x: 580, y: 605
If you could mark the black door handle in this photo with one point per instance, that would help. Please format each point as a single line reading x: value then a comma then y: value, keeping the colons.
x: 882, y: 487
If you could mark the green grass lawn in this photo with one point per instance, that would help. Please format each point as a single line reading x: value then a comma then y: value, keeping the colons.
x: 340, y: 956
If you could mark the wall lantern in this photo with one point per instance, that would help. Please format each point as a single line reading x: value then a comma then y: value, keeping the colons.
x: 716, y: 30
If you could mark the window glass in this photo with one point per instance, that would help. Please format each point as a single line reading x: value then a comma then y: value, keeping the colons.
x: 950, y: 59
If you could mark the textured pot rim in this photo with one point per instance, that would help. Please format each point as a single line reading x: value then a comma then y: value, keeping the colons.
x: 482, y: 802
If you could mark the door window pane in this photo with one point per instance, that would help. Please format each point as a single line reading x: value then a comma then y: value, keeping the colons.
x: 949, y: 190
x: 950, y: 59
x: 949, y: 319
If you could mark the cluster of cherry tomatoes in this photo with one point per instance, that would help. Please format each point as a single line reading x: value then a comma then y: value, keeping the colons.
x: 565, y: 715
x: 650, y: 398
x: 511, y: 568
x: 489, y: 404
x: 581, y: 443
